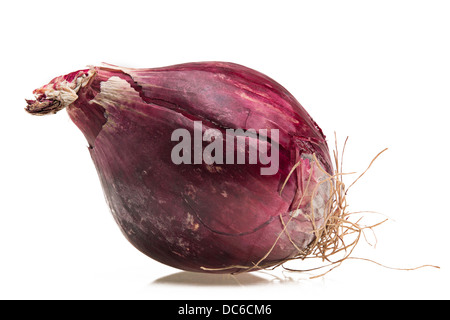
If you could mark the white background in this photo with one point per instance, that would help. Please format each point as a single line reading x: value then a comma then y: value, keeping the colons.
x: 376, y: 71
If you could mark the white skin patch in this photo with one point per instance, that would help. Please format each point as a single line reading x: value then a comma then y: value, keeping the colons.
x: 190, y: 222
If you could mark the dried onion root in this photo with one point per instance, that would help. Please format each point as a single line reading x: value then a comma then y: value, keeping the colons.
x: 339, y: 235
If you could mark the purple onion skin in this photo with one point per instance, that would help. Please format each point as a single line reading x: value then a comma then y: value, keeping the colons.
x: 197, y: 216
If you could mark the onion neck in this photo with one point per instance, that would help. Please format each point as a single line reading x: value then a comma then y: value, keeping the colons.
x: 59, y: 93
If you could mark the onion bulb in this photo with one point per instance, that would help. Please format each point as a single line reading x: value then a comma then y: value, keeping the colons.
x: 206, y: 167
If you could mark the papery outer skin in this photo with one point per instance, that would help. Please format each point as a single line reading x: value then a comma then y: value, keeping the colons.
x: 201, y: 216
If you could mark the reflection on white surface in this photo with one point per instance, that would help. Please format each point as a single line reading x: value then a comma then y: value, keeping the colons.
x: 204, y: 279
x: 185, y: 278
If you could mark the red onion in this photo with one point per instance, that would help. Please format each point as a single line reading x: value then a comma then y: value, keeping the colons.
x: 198, y: 213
